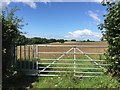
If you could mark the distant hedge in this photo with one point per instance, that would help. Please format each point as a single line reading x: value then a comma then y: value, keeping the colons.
x: 36, y: 40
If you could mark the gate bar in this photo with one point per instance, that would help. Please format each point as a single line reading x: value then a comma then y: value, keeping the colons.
x: 66, y: 53
x: 76, y: 68
x: 77, y: 64
x: 57, y: 59
x: 91, y: 72
x: 86, y: 76
x: 57, y: 63
x: 48, y: 75
x: 86, y: 46
x: 54, y: 71
x: 70, y: 60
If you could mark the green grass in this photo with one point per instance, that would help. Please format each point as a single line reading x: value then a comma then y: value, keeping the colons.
x: 69, y: 82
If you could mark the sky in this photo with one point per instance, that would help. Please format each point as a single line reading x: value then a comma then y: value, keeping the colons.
x: 61, y: 20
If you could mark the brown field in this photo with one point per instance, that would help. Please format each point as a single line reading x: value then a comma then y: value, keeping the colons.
x: 29, y: 52
x: 82, y: 43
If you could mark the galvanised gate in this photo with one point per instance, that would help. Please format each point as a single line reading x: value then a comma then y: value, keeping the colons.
x: 60, y: 60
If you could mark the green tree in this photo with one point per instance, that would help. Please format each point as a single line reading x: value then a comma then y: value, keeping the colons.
x: 111, y: 32
x: 73, y: 40
x: 21, y: 39
x: 11, y: 25
x: 61, y: 40
x: 88, y: 40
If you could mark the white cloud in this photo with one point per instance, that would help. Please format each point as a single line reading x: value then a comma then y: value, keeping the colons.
x: 84, y: 35
x: 82, y: 0
x: 99, y: 1
x: 46, y: 1
x: 4, y: 4
x: 94, y: 16
x: 96, y: 0
x: 31, y: 3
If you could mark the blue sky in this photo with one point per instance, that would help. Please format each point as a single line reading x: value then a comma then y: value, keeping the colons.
x: 62, y: 20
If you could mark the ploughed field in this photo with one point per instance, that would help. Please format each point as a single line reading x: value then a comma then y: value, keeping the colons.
x: 29, y: 49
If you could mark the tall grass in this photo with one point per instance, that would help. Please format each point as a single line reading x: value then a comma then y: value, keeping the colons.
x: 70, y: 82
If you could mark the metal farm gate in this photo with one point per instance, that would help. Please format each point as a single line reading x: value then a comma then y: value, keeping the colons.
x: 60, y: 60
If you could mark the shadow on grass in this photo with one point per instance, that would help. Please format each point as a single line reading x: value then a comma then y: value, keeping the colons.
x: 19, y: 82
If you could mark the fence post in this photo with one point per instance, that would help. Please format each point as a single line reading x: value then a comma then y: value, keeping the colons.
x: 32, y: 57
x: 24, y: 56
x: 29, y: 57
x: 74, y: 61
x: 20, y: 58
x: 36, y: 57
x: 15, y: 54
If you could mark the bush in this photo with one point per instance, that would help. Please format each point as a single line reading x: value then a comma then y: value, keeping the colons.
x: 111, y: 32
x: 10, y: 32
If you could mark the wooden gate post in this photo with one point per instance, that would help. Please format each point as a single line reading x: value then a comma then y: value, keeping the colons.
x: 29, y: 57
x: 24, y: 57
x: 32, y: 57
x: 20, y: 57
x: 15, y: 55
x: 36, y: 57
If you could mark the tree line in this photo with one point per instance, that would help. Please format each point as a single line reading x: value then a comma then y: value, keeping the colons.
x: 36, y: 40
x: 22, y: 40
